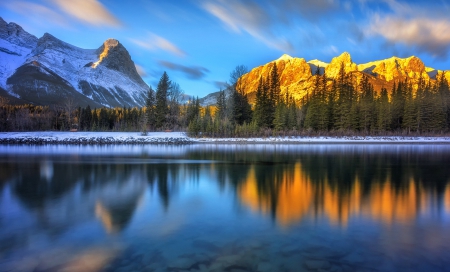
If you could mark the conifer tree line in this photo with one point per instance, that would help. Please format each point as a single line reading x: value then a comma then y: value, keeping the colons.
x: 163, y: 111
x: 344, y: 106
x: 347, y: 105
x: 340, y: 106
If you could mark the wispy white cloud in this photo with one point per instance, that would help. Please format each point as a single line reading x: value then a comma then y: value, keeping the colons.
x: 36, y: 12
x: 330, y: 50
x: 141, y: 71
x: 249, y: 17
x: 90, y: 12
x: 423, y: 29
x: 154, y: 42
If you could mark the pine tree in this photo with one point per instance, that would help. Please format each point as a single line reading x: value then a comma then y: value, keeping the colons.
x: 331, y: 105
x: 280, y: 120
x: 267, y: 109
x: 367, y: 105
x: 314, y: 107
x: 384, y: 112
x: 323, y: 114
x: 150, y: 104
x: 275, y: 89
x: 273, y: 96
x: 438, y: 121
x: 410, y: 110
x: 345, y: 92
x: 260, y: 100
x: 86, y: 118
x: 398, y: 105
x: 444, y: 93
x: 193, y: 110
x: 292, y: 123
x: 221, y: 104
x: 241, y: 111
x: 161, y: 105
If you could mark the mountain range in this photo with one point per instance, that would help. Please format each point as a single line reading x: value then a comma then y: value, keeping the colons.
x: 297, y: 75
x: 46, y: 71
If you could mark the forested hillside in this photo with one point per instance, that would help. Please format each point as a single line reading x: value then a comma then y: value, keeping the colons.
x: 344, y: 105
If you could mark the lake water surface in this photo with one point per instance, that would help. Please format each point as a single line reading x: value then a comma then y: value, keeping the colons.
x: 225, y: 208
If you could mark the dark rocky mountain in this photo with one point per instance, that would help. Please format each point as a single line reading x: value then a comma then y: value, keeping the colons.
x: 48, y: 71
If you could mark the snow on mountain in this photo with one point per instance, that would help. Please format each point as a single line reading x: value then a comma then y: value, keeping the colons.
x: 15, y: 45
x: 48, y: 70
x: 395, y: 68
x: 315, y: 63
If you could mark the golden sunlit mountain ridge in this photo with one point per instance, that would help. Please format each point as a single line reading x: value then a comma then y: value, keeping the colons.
x: 297, y: 75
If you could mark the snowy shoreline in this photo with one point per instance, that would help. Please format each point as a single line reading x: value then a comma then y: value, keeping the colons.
x: 94, y: 138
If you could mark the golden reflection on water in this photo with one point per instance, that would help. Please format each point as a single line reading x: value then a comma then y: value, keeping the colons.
x: 447, y: 199
x: 105, y: 217
x: 295, y: 197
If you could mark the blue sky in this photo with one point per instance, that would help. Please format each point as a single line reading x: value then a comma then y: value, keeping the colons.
x: 199, y: 42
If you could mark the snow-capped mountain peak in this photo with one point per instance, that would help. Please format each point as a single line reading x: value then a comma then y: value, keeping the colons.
x: 14, y: 34
x: 48, y: 70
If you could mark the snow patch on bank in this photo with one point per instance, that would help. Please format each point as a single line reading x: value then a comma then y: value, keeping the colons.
x: 54, y: 137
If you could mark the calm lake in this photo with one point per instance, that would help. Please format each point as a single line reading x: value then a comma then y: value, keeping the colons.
x: 232, y: 207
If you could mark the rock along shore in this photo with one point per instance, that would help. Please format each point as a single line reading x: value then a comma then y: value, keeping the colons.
x: 95, y: 141
x: 91, y: 138
x: 179, y: 138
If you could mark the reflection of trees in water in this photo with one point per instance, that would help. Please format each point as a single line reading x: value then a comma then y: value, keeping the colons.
x: 166, y: 178
x: 7, y: 172
x: 286, y: 183
x: 382, y: 186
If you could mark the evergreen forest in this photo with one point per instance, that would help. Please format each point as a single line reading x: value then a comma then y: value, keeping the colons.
x: 345, y: 105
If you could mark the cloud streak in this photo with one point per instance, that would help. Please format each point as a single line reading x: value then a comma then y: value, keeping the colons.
x: 36, y: 12
x: 249, y: 17
x: 154, y: 42
x: 422, y: 29
x: 191, y: 72
x: 220, y: 84
x: 262, y: 19
x: 90, y: 12
x: 141, y: 71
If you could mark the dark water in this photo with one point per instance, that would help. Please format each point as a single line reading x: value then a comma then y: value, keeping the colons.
x: 225, y: 208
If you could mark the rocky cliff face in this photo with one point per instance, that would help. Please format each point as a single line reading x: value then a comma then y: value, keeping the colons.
x: 294, y: 74
x: 114, y: 56
x: 47, y: 70
x: 396, y: 69
x: 332, y: 70
x: 297, y: 75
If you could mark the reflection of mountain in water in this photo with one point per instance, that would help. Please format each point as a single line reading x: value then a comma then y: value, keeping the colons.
x: 288, y: 184
x: 62, y: 194
x: 384, y: 188
x: 116, y: 212
x: 74, y: 193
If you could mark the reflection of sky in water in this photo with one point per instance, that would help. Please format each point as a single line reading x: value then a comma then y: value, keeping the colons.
x: 341, y: 204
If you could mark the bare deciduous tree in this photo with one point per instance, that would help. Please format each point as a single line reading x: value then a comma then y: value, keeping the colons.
x: 69, y: 106
x: 3, y: 101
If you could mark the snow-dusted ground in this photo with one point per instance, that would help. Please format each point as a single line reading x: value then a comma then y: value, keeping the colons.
x: 53, y: 137
x: 180, y: 137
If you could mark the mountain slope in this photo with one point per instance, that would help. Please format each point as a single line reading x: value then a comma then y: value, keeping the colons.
x: 47, y: 71
x: 294, y: 74
x: 297, y: 75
